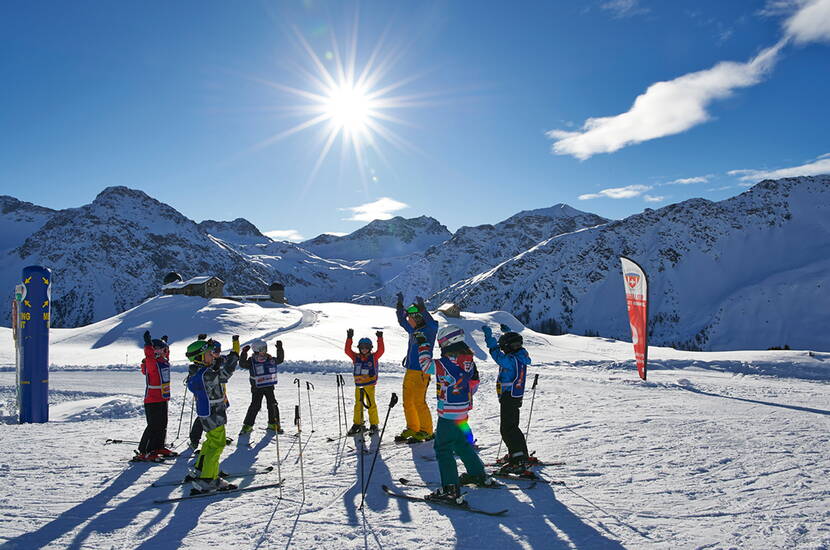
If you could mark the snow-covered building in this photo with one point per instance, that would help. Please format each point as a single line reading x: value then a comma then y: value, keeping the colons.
x: 450, y: 309
x: 206, y: 286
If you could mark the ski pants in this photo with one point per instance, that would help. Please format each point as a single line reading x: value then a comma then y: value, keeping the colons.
x: 418, y: 415
x: 256, y: 403
x: 208, y: 461
x: 511, y: 434
x: 370, y: 400
x: 156, y: 430
x: 451, y: 440
x: 196, y: 432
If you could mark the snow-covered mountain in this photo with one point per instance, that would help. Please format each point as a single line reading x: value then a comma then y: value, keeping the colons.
x: 381, y: 239
x: 472, y: 250
x: 112, y: 254
x: 747, y: 272
x: 18, y: 220
x: 237, y: 232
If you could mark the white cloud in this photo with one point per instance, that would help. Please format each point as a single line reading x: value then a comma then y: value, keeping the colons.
x: 285, y: 235
x: 775, y: 8
x: 811, y: 23
x: 627, y: 192
x: 381, y: 209
x: 688, y: 181
x: 652, y: 198
x: 666, y: 108
x: 819, y: 166
x: 624, y: 8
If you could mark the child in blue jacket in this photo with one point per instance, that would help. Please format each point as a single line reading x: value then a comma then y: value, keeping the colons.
x: 513, y: 361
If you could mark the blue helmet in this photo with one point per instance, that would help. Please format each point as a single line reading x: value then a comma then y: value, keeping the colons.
x: 364, y: 343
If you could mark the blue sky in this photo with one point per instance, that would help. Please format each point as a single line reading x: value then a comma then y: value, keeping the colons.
x: 611, y: 106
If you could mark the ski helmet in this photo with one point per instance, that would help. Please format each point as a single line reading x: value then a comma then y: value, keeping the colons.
x: 258, y: 346
x: 415, y: 312
x: 158, y: 343
x: 510, y: 342
x: 364, y: 343
x: 196, y: 350
x: 449, y: 335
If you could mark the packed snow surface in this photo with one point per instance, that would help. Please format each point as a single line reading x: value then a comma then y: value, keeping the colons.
x: 715, y: 450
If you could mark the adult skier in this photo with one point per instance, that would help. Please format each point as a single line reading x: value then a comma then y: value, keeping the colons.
x: 156, y: 370
x: 456, y: 379
x: 207, y: 376
x: 365, y: 372
x: 262, y: 368
x: 413, y: 319
x: 513, y: 361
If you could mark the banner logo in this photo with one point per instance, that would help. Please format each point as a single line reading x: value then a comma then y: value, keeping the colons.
x: 632, y: 279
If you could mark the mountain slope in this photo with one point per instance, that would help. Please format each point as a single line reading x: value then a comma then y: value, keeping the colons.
x: 18, y: 220
x: 746, y: 272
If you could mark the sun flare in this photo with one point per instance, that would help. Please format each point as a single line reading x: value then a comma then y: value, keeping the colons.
x: 348, y: 107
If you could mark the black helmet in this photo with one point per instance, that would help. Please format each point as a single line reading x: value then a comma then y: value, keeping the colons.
x: 159, y: 343
x: 510, y: 342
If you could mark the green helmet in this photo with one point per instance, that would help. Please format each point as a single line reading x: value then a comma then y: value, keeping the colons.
x: 196, y: 350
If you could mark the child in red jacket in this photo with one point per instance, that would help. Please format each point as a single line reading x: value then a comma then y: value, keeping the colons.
x: 156, y: 369
x: 365, y: 374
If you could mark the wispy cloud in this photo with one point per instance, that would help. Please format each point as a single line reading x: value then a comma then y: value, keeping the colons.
x: 776, y: 8
x: 688, y: 181
x: 820, y: 165
x: 380, y: 209
x: 666, y: 108
x: 623, y: 8
x: 811, y: 23
x: 627, y: 192
x: 285, y: 235
x: 653, y: 198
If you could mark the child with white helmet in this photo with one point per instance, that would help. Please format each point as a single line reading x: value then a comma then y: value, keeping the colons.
x: 456, y: 379
x: 262, y: 368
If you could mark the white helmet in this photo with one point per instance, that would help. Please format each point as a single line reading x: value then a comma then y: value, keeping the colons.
x: 259, y: 346
x: 449, y: 335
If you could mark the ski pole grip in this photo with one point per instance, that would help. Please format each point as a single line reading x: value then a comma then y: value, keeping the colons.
x: 394, y: 400
x: 535, y: 380
x: 308, y: 384
x: 297, y: 381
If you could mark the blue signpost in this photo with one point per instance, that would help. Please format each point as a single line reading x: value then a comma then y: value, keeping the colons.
x: 33, y: 306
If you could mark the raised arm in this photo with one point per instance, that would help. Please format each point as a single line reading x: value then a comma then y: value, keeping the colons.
x: 280, y: 352
x: 348, y: 347
x: 381, y: 348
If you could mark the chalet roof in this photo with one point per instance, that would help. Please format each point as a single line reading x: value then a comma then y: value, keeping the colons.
x: 201, y: 279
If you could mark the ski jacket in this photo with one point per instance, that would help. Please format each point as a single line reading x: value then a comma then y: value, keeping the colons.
x: 263, y: 374
x: 512, y: 368
x: 365, y: 369
x: 430, y: 330
x: 156, y: 373
x: 456, y: 380
x: 207, y: 385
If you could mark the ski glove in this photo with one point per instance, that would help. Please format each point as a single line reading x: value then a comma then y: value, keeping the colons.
x: 419, y: 337
x: 420, y: 303
x: 488, y: 332
x: 504, y: 328
x: 147, y: 340
x: 379, y: 334
x: 235, y: 337
x: 164, y: 338
x: 400, y: 299
x: 279, y: 344
x: 245, y: 349
x: 202, y: 337
x: 350, y: 333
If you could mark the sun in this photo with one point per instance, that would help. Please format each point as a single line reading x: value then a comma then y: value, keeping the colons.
x: 349, y: 100
x: 349, y: 108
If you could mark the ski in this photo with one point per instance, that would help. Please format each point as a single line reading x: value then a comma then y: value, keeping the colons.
x: 219, y: 493
x: 465, y: 507
x: 188, y: 479
x: 499, y: 462
x: 408, y: 483
x: 535, y: 479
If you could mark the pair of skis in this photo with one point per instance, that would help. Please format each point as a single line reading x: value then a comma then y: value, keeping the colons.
x: 466, y: 507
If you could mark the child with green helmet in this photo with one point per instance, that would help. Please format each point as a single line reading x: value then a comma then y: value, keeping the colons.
x: 207, y: 376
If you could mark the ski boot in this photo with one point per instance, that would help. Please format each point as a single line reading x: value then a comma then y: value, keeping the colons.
x: 404, y: 436
x: 146, y: 457
x: 246, y: 429
x: 222, y: 485
x: 448, y: 494
x: 166, y: 453
x: 518, y: 468
x: 373, y: 429
x: 356, y: 429
x: 274, y: 427
x: 420, y: 437
x: 202, y: 486
x: 481, y: 480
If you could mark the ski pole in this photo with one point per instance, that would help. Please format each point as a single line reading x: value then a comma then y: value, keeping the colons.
x: 392, y: 403
x: 308, y: 387
x: 532, y: 399
x: 298, y: 423
x: 343, y: 398
x: 128, y: 442
x: 337, y: 389
x: 181, y: 415
x: 362, y: 447
x: 277, y: 440
x: 498, y: 451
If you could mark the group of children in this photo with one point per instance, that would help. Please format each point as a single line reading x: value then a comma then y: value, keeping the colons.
x: 455, y: 374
